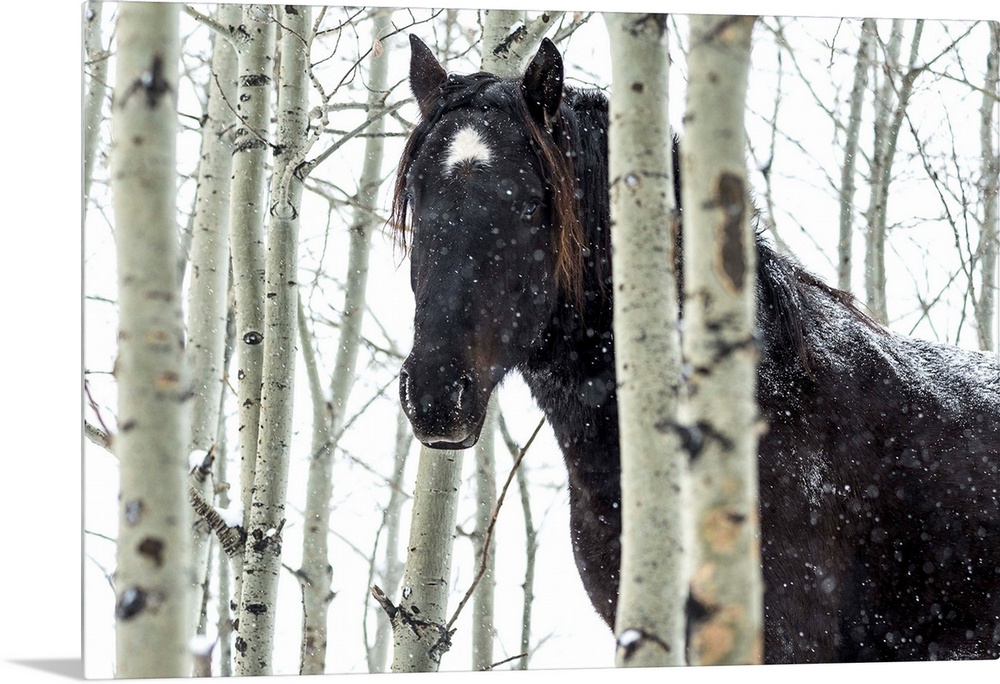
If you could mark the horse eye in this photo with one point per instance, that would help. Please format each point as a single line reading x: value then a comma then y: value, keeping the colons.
x: 529, y: 209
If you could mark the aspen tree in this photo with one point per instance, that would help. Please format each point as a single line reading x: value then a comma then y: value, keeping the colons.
x: 207, y: 303
x: 890, y: 108
x: 265, y: 517
x: 985, y: 306
x: 378, y: 652
x: 96, y: 91
x: 483, y: 545
x: 650, y: 621
x: 153, y: 579
x: 862, y: 66
x: 530, y: 544
x: 718, y: 405
x: 254, y: 41
x: 509, y: 39
x: 420, y: 636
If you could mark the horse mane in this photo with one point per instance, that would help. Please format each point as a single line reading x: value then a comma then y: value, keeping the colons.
x: 792, y: 301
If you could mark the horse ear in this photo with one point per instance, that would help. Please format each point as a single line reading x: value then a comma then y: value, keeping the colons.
x: 426, y: 74
x: 543, y: 82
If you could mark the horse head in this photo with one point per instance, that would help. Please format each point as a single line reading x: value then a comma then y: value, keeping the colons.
x: 478, y: 199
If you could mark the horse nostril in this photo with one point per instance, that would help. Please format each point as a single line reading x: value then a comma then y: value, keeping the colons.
x: 464, y: 385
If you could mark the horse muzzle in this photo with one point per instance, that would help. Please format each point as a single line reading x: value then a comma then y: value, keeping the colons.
x: 445, y: 409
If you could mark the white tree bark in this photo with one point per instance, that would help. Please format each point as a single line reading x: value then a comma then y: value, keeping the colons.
x: 378, y: 652
x: 208, y: 289
x: 208, y: 305
x: 254, y: 40
x: 719, y: 404
x: 153, y: 579
x: 420, y: 636
x: 650, y: 620
x: 483, y: 545
x: 510, y: 40
x: 317, y: 570
x: 986, y: 304
x: 845, y: 260
x: 96, y: 93
x: 266, y: 515
x: 890, y: 105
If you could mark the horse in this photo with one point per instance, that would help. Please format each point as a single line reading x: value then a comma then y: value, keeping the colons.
x: 878, y: 471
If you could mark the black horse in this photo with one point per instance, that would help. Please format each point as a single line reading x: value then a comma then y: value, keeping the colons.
x: 878, y: 475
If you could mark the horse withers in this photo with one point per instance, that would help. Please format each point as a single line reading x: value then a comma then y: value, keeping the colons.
x: 879, y: 471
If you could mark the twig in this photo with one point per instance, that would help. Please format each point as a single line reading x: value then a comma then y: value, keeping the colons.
x: 308, y: 166
x: 493, y: 520
x: 231, y: 538
x: 98, y: 436
x: 507, y: 660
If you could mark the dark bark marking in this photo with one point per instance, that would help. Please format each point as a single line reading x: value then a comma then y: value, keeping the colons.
x: 254, y: 80
x: 133, y: 511
x: 152, y: 82
x: 732, y: 201
x: 697, y: 613
x: 642, y: 637
x: 643, y: 22
x: 427, y: 631
x: 153, y: 550
x: 516, y: 36
x: 132, y: 602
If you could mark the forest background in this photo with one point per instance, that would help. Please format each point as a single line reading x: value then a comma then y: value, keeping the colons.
x: 44, y: 363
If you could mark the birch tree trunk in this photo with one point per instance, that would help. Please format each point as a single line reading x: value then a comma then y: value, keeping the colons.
x: 420, y: 636
x: 225, y: 575
x: 378, y: 653
x: 255, y: 48
x: 845, y: 260
x: 719, y: 407
x: 209, y: 283
x: 208, y: 306
x: 317, y: 569
x: 153, y: 579
x: 986, y: 305
x: 483, y: 614
x: 888, y: 118
x: 254, y: 40
x: 509, y: 41
x: 650, y: 622
x: 93, y: 102
x: 266, y: 515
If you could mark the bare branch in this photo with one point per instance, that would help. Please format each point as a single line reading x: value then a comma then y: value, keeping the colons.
x: 489, y: 531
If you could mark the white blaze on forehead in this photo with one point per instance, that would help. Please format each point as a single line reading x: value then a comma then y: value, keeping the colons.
x: 467, y: 146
